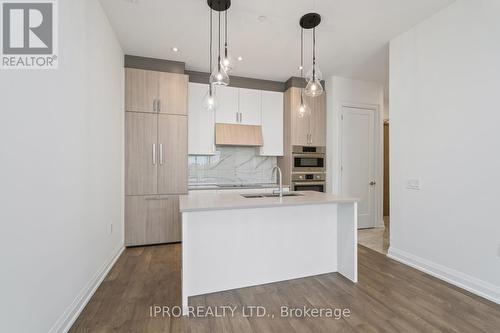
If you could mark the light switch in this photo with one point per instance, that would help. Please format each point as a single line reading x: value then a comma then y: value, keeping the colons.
x: 413, y: 184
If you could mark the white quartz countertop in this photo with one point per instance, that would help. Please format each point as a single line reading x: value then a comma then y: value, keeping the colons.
x: 199, y: 187
x: 225, y: 201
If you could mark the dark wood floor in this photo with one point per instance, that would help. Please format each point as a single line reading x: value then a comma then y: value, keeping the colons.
x: 390, y: 297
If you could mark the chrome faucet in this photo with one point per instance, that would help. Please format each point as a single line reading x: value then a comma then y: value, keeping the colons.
x: 280, y: 179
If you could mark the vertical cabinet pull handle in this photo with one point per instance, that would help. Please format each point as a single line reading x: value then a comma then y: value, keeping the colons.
x: 158, y: 106
x: 154, y: 153
x: 241, y: 117
x: 154, y: 105
x: 237, y: 117
x: 161, y: 153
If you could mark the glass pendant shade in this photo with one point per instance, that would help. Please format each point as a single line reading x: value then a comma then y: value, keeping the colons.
x: 317, y: 74
x: 313, y: 88
x: 210, y: 101
x: 219, y: 77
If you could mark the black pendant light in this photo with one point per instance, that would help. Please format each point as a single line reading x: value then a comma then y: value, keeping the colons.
x: 227, y: 61
x: 313, y: 87
x: 304, y: 109
x: 210, y: 101
x: 218, y: 74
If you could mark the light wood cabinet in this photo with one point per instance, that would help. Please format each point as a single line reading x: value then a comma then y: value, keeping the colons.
x: 301, y: 131
x: 140, y: 153
x: 141, y: 90
x: 172, y: 169
x: 155, y: 92
x: 300, y: 125
x: 172, y: 93
x: 152, y: 220
x: 318, y: 121
x: 308, y: 130
x: 155, y: 155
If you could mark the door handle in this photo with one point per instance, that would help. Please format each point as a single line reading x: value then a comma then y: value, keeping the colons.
x: 373, y: 183
x: 154, y: 153
x: 161, y: 153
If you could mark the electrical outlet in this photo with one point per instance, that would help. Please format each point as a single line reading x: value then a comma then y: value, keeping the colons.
x: 413, y: 184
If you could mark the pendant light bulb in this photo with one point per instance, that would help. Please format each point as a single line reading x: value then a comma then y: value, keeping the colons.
x: 210, y: 101
x: 219, y: 76
x: 227, y: 63
x: 314, y: 88
x: 304, y: 110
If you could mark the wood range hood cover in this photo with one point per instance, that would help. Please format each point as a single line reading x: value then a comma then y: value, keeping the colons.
x: 238, y: 135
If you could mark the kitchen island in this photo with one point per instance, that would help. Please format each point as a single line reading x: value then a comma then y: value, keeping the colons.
x: 231, y: 240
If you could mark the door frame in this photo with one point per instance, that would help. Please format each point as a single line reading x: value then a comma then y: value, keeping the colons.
x: 378, y: 146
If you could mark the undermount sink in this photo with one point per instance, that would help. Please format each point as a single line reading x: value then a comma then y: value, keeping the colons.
x: 270, y: 195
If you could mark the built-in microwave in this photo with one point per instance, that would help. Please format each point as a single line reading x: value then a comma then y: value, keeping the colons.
x: 308, y: 159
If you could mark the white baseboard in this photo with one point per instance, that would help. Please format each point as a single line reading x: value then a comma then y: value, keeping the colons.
x: 67, y: 319
x: 459, y: 279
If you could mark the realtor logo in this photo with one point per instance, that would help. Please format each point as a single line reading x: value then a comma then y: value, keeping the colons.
x: 29, y: 34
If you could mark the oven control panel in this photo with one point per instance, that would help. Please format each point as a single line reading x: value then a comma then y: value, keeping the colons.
x: 308, y: 176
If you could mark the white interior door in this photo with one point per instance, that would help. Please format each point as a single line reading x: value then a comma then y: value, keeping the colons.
x: 357, y: 161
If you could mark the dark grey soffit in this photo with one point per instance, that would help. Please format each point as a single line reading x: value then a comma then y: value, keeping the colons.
x: 170, y: 66
x: 153, y: 64
x: 240, y: 82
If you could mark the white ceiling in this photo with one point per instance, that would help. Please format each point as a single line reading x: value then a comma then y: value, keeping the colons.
x: 351, y: 39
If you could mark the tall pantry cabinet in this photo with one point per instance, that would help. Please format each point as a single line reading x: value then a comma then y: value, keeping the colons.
x: 155, y: 155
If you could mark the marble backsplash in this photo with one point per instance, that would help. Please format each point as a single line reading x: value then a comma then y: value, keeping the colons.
x: 231, y: 165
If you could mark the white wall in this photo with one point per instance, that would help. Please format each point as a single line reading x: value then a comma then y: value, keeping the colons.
x: 61, y: 173
x: 341, y: 91
x: 445, y: 84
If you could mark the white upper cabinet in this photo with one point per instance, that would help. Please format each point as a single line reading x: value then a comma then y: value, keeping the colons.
x: 234, y: 106
x: 238, y: 106
x: 250, y: 106
x: 227, y: 108
x: 201, y: 122
x: 272, y: 123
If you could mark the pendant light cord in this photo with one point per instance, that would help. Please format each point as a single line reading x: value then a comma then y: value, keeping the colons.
x: 301, y: 52
x: 210, y: 56
x: 218, y: 60
x: 314, y: 54
x: 225, y: 33
x: 302, y: 63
